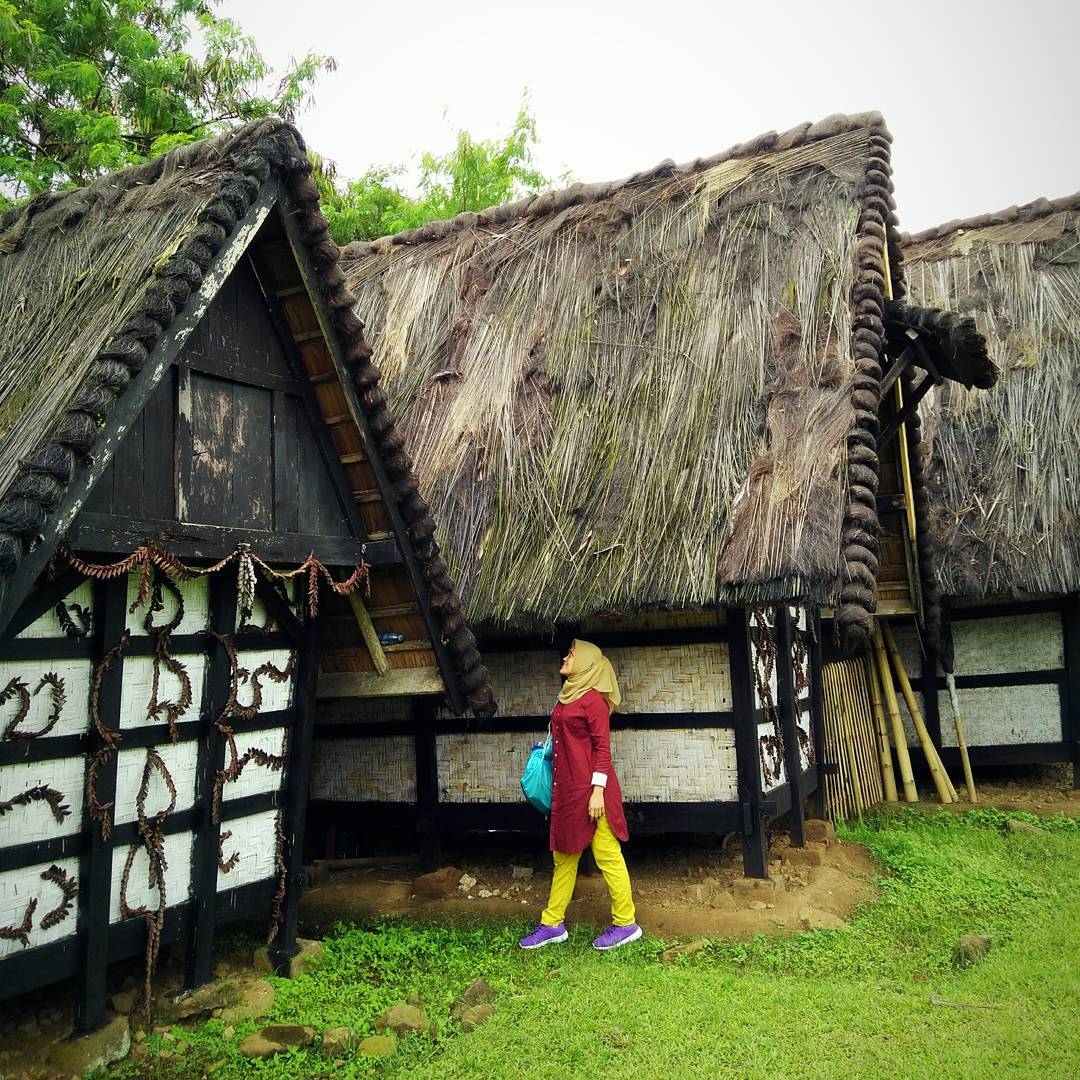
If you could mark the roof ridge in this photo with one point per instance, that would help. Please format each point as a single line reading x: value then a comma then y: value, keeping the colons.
x: 549, y: 202
x: 1032, y: 211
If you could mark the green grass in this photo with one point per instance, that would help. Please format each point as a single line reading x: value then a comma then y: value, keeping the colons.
x: 851, y: 1003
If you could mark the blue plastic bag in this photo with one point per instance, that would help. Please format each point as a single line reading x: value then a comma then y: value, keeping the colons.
x: 537, y: 778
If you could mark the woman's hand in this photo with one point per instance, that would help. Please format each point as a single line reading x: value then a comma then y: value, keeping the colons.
x: 596, y: 804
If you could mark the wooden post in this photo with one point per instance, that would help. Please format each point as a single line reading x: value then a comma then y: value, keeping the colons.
x: 817, y: 714
x: 903, y: 758
x: 95, y: 865
x: 888, y: 778
x: 297, y: 786
x: 748, y: 762
x: 785, y: 685
x: 1071, y: 704
x: 937, y: 770
x: 427, y: 784
x: 199, y: 962
x: 369, y: 633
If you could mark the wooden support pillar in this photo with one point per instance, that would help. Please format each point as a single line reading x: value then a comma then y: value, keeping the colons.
x: 205, y: 851
x: 748, y: 761
x: 369, y: 633
x: 297, y: 787
x: 817, y: 713
x: 427, y: 784
x: 785, y: 685
x: 95, y: 864
x: 1071, y: 705
x: 931, y: 705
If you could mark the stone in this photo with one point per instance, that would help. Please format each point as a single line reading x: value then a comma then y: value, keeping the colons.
x: 757, y: 905
x: 521, y: 873
x: 276, y: 1039
x: 467, y: 883
x: 670, y: 955
x: 971, y: 948
x: 802, y: 856
x: 339, y: 1041
x: 485, y: 894
x: 746, y: 885
x: 378, y: 1046
x: 1013, y: 825
x: 701, y: 894
x: 437, y: 885
x: 308, y: 952
x: 476, y: 994
x: 203, y: 1000
x: 256, y: 999
x: 228, y: 1032
x: 403, y: 1019
x: 84, y: 1053
x: 812, y: 919
x: 476, y: 1015
x: 819, y: 831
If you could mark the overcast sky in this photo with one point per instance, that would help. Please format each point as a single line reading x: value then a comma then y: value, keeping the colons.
x: 981, y: 96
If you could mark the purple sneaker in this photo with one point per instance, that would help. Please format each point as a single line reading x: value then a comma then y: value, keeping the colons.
x: 614, y: 936
x: 544, y: 935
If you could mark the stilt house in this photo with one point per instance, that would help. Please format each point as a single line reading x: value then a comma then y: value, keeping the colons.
x: 203, y: 498
x: 1004, y: 481
x: 661, y: 414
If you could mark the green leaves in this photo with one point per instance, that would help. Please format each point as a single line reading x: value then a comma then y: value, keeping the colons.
x: 88, y: 86
x: 476, y: 174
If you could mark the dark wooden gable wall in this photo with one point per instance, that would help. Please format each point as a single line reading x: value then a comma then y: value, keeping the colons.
x: 226, y: 440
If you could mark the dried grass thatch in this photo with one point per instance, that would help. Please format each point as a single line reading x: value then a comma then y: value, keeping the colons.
x: 1005, y: 477
x: 640, y: 394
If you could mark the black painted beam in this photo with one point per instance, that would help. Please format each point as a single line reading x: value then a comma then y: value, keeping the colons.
x: 95, y: 866
x: 785, y: 685
x: 427, y: 784
x: 1071, y: 694
x: 817, y: 712
x: 205, y: 849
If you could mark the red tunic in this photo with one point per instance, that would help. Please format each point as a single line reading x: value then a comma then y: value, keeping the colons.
x: 581, y: 738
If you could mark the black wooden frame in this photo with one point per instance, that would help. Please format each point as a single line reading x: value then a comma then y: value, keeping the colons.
x: 97, y: 942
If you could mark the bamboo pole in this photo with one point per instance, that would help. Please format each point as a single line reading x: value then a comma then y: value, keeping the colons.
x: 937, y: 770
x: 867, y: 733
x: 961, y: 742
x: 903, y: 758
x: 884, y: 751
x: 850, y: 744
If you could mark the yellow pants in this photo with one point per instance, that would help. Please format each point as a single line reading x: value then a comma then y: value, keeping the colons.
x: 607, y: 851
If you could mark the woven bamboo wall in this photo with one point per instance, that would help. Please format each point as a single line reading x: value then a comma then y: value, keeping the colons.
x: 682, y: 765
x: 374, y: 769
x: 1000, y: 715
x: 663, y: 678
x: 253, y: 838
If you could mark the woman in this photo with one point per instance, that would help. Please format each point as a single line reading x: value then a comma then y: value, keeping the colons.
x: 586, y: 800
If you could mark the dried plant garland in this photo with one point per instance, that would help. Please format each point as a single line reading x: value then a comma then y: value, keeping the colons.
x: 763, y: 656
x: 81, y: 629
x: 39, y: 793
x: 16, y: 685
x: 69, y: 888
x: 21, y: 933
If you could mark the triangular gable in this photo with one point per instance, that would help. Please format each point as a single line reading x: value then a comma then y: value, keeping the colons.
x: 264, y: 218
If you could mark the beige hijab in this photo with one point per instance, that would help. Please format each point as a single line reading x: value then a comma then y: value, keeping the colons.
x: 590, y: 670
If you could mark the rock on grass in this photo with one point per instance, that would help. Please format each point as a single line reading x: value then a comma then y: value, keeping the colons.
x: 276, y: 1039
x: 403, y: 1019
x: 439, y: 884
x: 378, y: 1046
x: 971, y: 948
x: 476, y: 1015
x: 83, y: 1053
x: 670, y: 955
x: 476, y: 994
x: 337, y: 1042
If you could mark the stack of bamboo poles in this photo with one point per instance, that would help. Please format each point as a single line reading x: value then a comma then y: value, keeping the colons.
x: 850, y: 741
x: 862, y: 709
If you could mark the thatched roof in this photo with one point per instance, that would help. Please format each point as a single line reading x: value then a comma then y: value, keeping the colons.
x: 92, y: 280
x: 644, y: 393
x: 1005, y: 475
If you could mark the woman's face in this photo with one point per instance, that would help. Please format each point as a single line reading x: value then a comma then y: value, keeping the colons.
x: 567, y: 663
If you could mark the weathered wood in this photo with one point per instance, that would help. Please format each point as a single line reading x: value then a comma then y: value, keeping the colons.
x: 352, y: 398
x: 199, y: 966
x: 95, y: 866
x: 369, y: 633
x: 817, y: 713
x: 397, y: 682
x: 129, y: 406
x: 427, y: 784
x: 99, y: 533
x: 748, y: 766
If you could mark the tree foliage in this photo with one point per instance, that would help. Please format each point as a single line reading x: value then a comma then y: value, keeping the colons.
x: 476, y: 174
x: 88, y: 86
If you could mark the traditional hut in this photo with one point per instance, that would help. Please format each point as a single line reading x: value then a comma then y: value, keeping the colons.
x: 198, y: 475
x: 649, y: 412
x: 1004, y: 481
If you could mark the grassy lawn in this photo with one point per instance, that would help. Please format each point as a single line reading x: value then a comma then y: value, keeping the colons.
x: 828, y: 1003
